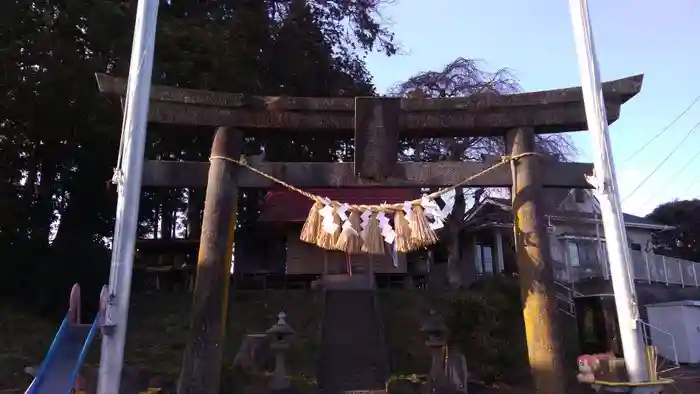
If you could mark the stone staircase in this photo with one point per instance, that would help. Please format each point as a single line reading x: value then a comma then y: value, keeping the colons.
x: 353, y: 357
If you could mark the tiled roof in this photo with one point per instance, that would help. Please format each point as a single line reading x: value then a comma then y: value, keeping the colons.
x: 282, y: 205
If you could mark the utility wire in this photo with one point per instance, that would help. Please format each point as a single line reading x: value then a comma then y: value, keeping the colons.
x: 663, y: 161
x: 670, y: 179
x: 661, y: 132
x: 690, y: 185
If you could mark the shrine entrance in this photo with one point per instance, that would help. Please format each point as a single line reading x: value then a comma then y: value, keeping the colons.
x: 376, y: 123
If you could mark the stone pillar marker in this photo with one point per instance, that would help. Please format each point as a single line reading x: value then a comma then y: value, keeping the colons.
x: 436, y: 340
x: 279, y: 335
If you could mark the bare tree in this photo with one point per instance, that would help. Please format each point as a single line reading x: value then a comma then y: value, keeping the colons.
x: 462, y: 78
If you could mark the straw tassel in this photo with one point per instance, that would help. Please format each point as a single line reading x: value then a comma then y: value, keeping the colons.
x: 349, y: 239
x: 328, y: 240
x: 312, y: 226
x: 421, y: 233
x: 403, y: 233
x: 374, y: 243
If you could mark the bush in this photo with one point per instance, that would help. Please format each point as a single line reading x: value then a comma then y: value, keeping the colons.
x: 485, y: 324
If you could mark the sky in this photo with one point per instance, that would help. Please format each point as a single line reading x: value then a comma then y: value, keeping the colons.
x: 534, y: 39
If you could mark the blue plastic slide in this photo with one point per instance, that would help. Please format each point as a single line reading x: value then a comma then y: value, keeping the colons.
x: 59, y: 370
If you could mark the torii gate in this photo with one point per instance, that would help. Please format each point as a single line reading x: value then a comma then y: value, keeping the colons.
x: 376, y: 124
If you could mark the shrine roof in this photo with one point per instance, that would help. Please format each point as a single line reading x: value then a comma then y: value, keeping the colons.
x: 282, y: 205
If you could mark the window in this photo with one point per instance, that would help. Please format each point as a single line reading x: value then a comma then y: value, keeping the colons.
x: 582, y: 253
x: 484, y: 259
x: 635, y: 246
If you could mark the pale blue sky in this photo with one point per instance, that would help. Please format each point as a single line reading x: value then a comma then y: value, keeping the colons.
x: 534, y: 38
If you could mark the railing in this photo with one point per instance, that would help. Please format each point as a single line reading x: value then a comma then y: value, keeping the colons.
x: 646, y: 267
x: 565, y: 299
x: 654, y: 336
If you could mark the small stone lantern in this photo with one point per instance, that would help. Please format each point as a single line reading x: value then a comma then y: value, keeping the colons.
x: 436, y: 340
x: 279, y: 335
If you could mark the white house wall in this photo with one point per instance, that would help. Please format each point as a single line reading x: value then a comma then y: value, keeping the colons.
x: 558, y: 243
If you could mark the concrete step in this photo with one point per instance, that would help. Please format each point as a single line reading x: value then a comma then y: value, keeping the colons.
x: 353, y: 357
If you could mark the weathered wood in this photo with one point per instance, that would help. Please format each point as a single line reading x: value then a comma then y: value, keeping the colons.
x: 376, y: 137
x: 619, y: 90
x: 533, y: 256
x: 545, y: 118
x: 319, y: 175
x: 201, y: 367
x: 558, y: 110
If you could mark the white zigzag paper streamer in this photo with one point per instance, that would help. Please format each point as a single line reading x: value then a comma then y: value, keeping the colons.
x: 365, y: 217
x: 432, y: 211
x: 387, y: 231
x: 327, y: 214
x: 449, y: 199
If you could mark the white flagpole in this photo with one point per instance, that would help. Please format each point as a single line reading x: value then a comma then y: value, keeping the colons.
x: 129, y: 191
x: 608, y: 196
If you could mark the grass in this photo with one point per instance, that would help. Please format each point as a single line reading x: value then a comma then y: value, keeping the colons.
x: 485, y: 325
x: 158, y: 332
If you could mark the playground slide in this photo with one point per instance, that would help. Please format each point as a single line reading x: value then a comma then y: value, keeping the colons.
x: 59, y: 370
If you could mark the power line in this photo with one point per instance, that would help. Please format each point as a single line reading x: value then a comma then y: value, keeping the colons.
x: 690, y: 185
x: 670, y: 179
x: 663, y: 161
x: 662, y: 131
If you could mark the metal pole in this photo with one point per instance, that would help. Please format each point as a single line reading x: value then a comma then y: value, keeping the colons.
x: 663, y: 264
x: 134, y: 140
x: 646, y: 263
x: 608, y: 196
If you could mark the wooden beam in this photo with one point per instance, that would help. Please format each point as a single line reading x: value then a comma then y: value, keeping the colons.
x: 558, y: 110
x: 376, y: 137
x: 332, y: 175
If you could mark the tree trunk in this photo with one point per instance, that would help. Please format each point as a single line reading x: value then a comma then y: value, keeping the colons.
x: 453, y: 227
x: 454, y: 224
x: 194, y: 220
x: 166, y: 217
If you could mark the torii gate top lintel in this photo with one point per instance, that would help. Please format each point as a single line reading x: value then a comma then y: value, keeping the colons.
x: 376, y: 123
x: 551, y: 111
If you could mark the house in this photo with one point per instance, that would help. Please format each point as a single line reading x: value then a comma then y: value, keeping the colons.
x: 576, y: 240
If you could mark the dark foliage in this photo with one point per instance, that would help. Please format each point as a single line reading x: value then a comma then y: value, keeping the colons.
x: 59, y: 136
x: 684, y: 240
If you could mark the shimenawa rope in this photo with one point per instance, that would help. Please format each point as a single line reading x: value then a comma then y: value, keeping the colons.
x: 330, y: 227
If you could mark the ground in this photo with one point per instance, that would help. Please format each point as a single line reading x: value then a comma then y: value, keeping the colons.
x: 157, y: 335
x: 158, y: 322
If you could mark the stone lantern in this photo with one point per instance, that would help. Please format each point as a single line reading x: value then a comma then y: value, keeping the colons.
x: 436, y: 332
x: 279, y: 335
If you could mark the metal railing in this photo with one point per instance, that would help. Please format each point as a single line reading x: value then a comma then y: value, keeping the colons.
x: 565, y: 299
x: 664, y: 341
x: 652, y: 335
x: 646, y: 267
